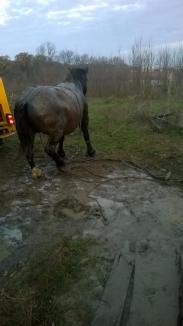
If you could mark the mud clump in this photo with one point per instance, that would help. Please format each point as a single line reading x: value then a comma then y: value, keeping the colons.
x: 70, y: 208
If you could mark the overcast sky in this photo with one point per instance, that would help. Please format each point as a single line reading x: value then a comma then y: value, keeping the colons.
x: 97, y: 27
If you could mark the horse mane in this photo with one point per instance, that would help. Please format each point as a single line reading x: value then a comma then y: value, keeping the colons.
x: 76, y: 74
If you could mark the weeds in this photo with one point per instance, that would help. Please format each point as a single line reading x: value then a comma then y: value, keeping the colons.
x: 30, y: 296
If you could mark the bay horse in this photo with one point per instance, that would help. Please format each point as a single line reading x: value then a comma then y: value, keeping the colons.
x: 55, y: 111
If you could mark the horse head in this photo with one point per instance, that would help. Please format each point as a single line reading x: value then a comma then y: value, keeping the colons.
x: 79, y: 75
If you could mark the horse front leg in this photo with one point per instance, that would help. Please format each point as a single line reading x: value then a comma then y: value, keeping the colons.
x: 84, y: 128
x: 61, y: 151
x: 50, y: 149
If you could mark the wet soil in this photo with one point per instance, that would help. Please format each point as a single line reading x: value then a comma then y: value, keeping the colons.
x: 121, y: 208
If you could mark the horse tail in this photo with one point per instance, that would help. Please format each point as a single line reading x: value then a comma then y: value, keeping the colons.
x: 23, y: 124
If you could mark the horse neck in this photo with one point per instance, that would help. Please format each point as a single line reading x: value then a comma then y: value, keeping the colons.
x: 76, y: 82
x: 79, y: 85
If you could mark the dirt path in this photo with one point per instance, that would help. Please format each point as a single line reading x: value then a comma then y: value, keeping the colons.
x: 124, y: 210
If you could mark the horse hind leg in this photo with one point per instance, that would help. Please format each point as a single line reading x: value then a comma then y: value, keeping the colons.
x: 61, y: 151
x: 29, y: 152
x: 50, y: 149
x: 84, y: 127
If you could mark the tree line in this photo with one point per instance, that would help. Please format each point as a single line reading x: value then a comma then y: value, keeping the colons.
x: 144, y: 71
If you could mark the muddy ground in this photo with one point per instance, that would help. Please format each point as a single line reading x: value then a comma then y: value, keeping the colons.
x: 119, y: 207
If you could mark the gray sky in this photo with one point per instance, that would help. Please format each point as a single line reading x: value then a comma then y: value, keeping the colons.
x: 97, y: 27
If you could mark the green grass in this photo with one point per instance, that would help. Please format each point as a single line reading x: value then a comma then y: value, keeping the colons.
x: 120, y: 128
x: 31, y: 296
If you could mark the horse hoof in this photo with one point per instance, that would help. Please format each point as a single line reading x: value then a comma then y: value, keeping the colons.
x: 61, y: 169
x: 60, y: 163
x: 37, y: 173
x: 91, y: 153
x: 62, y: 154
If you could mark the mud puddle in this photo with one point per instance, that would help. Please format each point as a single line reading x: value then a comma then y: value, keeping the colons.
x: 122, y: 209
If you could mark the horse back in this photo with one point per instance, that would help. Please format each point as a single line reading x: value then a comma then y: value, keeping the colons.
x: 54, y: 108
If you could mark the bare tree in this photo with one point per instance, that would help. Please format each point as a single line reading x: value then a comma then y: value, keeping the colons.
x: 136, y: 61
x: 66, y: 57
x: 47, y: 50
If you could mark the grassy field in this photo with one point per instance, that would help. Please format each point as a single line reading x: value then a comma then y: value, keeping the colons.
x: 122, y: 129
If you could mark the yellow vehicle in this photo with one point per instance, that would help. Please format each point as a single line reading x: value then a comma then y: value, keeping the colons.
x: 7, y: 124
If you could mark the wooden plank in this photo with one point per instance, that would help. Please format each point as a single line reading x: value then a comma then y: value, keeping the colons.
x: 180, y: 270
x: 116, y: 300
x: 155, y: 299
